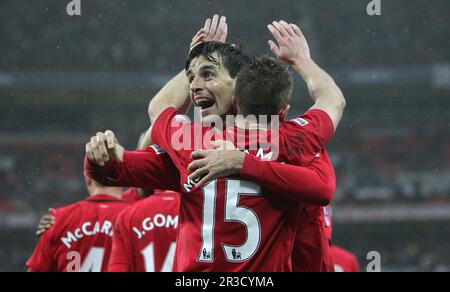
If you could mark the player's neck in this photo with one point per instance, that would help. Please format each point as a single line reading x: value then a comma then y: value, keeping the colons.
x: 113, y: 192
x: 243, y: 123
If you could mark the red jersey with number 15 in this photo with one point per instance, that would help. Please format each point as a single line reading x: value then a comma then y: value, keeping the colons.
x: 230, y: 224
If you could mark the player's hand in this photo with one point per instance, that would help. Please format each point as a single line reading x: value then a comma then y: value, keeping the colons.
x: 45, y: 223
x: 223, y: 161
x: 213, y: 30
x: 103, y: 147
x: 291, y: 46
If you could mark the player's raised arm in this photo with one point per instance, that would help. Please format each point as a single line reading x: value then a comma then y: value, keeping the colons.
x: 291, y: 47
x: 176, y: 92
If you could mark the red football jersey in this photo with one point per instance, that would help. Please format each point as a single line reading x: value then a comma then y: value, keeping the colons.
x: 131, y: 195
x: 232, y: 224
x: 312, y: 250
x: 145, y: 235
x: 344, y: 261
x: 80, y: 239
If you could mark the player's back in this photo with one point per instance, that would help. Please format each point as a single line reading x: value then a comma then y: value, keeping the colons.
x: 244, y: 227
x: 145, y: 235
x: 80, y: 239
x: 232, y: 224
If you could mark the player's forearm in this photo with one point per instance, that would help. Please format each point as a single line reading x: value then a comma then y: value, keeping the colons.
x: 105, y: 175
x: 136, y: 170
x: 307, y: 184
x: 322, y: 88
x: 174, y: 94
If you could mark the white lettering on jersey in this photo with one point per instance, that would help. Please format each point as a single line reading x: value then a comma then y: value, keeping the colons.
x: 158, y: 221
x: 189, y: 185
x: 79, y: 233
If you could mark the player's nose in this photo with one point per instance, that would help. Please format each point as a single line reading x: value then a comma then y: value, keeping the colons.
x: 197, y: 84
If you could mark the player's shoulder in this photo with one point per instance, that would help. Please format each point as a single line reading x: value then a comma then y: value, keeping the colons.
x: 309, y: 119
x: 165, y: 198
x: 135, y: 212
x: 67, y: 209
x: 65, y: 217
x: 171, y: 115
x: 154, y: 204
x: 160, y: 201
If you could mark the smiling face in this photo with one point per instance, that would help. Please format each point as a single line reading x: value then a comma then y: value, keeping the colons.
x: 211, y: 87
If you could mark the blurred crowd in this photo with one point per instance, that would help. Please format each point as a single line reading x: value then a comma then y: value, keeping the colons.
x: 154, y: 35
x: 406, y: 168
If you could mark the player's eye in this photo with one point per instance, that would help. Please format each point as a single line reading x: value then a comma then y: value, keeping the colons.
x: 191, y: 79
x: 208, y: 74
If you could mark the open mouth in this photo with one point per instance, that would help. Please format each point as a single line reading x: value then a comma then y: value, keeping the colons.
x: 204, y: 103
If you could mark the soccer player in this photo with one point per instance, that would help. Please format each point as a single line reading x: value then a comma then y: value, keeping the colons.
x: 220, y: 244
x: 145, y: 235
x: 218, y: 106
x: 81, y: 236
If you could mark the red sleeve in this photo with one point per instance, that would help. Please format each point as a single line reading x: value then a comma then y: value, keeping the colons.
x: 169, y: 125
x: 355, y: 265
x: 150, y: 168
x: 308, y: 133
x: 42, y: 260
x: 120, y: 259
x: 314, y: 184
x: 179, y: 137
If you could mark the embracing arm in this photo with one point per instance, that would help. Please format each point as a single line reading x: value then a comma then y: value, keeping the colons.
x: 108, y: 163
x: 314, y: 184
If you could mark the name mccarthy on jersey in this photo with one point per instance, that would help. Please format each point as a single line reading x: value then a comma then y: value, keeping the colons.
x: 87, y: 229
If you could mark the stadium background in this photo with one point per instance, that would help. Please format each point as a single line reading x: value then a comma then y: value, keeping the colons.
x: 64, y: 78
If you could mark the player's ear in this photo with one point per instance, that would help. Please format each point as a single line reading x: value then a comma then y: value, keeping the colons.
x: 284, y: 113
x: 87, y: 180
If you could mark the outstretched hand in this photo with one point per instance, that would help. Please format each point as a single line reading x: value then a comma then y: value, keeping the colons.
x: 213, y: 30
x: 291, y: 45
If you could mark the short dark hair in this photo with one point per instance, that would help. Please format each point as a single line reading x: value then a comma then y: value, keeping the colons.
x: 263, y: 87
x: 231, y: 57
